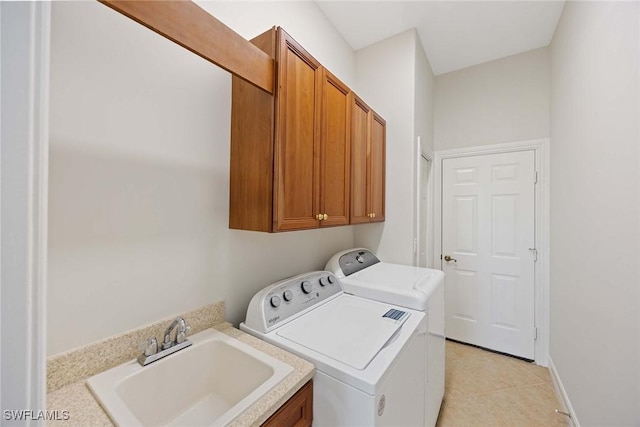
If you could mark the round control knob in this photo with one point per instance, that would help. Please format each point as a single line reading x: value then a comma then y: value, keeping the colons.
x: 287, y: 295
x: 360, y: 259
x: 306, y: 286
x: 323, y: 281
x: 275, y: 301
x: 331, y: 280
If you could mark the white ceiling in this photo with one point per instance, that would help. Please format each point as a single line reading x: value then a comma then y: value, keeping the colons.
x: 454, y: 34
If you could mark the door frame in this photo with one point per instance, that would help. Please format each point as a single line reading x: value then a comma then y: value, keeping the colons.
x: 421, y: 154
x: 24, y: 129
x: 541, y: 269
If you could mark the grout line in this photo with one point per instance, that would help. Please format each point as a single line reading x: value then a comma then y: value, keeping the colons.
x: 447, y: 395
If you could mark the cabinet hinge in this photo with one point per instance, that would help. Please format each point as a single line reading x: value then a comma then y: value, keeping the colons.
x: 534, y: 251
x: 535, y: 334
x: 535, y: 177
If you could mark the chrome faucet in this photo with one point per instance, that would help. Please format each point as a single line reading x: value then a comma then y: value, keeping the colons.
x: 181, y: 333
x: 150, y: 346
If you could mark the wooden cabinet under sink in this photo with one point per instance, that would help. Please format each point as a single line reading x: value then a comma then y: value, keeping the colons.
x: 296, y: 412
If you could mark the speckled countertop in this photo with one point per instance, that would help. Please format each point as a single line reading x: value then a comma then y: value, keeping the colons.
x: 71, y: 394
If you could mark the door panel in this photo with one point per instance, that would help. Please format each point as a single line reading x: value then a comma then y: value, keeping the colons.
x: 466, y: 216
x: 504, y: 231
x: 359, y: 142
x: 487, y: 229
x: 504, y: 293
x: 466, y: 295
x: 335, y: 151
x: 297, y: 195
x: 377, y: 173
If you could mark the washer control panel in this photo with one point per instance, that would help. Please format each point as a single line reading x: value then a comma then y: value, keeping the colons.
x: 283, y: 300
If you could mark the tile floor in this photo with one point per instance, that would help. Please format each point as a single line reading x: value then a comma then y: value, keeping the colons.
x: 488, y: 389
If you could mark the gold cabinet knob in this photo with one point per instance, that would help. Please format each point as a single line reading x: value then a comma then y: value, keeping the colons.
x: 373, y: 215
x: 319, y: 217
x: 325, y: 216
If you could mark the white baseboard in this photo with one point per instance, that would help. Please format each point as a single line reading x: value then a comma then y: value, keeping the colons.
x: 561, y: 393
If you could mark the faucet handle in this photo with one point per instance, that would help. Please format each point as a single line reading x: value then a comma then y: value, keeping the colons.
x: 181, y: 335
x: 150, y: 346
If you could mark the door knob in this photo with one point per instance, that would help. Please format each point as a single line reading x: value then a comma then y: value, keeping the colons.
x: 448, y: 258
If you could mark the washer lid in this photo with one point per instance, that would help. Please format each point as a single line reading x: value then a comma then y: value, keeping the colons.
x: 349, y: 330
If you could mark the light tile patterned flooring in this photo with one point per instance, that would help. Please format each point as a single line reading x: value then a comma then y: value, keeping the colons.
x: 488, y: 389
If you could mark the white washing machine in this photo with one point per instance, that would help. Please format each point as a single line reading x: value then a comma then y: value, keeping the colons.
x: 367, y: 354
x: 363, y: 274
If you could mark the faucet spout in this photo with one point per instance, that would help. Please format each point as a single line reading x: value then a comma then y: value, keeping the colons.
x: 182, y: 329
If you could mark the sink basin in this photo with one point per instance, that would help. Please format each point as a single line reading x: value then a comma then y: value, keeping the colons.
x: 207, y: 384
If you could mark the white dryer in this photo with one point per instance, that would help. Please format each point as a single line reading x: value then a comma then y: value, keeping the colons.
x: 363, y: 274
x: 367, y: 354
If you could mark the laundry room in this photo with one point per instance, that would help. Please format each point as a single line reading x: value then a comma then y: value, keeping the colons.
x: 365, y: 179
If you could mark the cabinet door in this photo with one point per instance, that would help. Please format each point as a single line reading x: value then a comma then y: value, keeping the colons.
x: 359, y: 146
x: 377, y: 162
x: 296, y: 412
x: 334, y: 151
x: 298, y: 102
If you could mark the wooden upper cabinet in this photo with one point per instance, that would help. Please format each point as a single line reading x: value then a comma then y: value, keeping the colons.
x: 290, y: 152
x: 368, y: 144
x: 335, y: 150
x: 310, y: 155
x: 297, y: 137
x: 377, y: 153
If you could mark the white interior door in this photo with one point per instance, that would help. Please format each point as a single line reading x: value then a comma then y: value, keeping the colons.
x: 488, y: 220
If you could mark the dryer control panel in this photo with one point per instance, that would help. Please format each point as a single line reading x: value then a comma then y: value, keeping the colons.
x: 356, y: 260
x: 285, y: 300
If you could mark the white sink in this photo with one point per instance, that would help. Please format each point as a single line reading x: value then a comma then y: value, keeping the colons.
x: 207, y: 384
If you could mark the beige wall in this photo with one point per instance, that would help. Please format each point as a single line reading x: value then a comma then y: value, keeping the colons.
x: 304, y: 22
x: 394, y: 77
x: 423, y: 128
x: 424, y: 95
x: 504, y: 100
x: 139, y: 174
x: 595, y: 211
